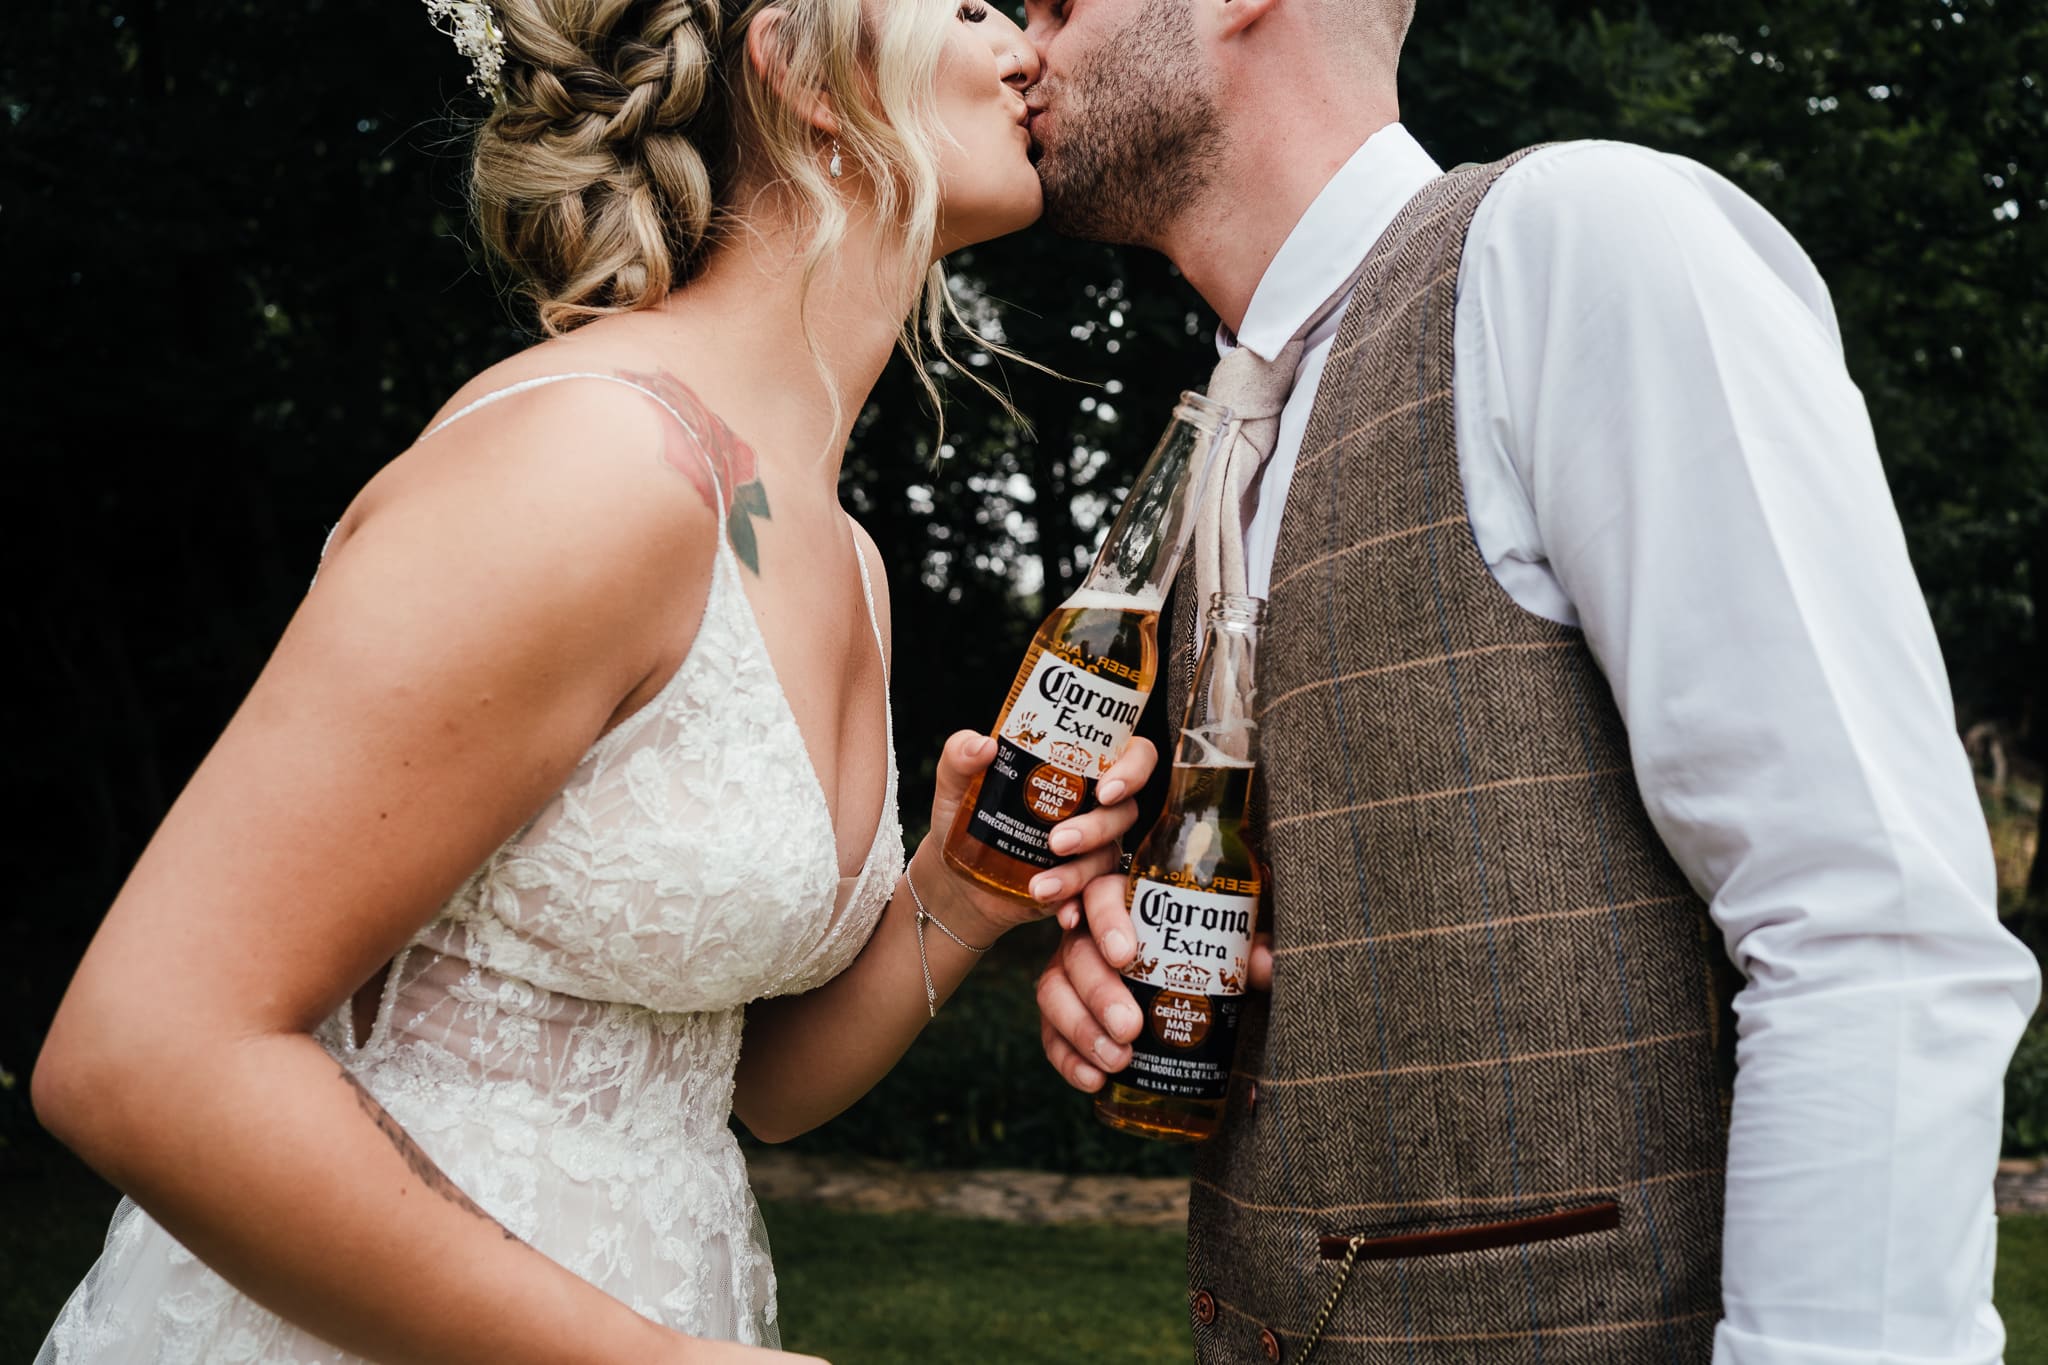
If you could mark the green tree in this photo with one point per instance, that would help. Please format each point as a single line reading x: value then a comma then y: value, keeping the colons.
x: 242, y: 277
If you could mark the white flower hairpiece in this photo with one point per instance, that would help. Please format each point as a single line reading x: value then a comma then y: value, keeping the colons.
x: 476, y: 37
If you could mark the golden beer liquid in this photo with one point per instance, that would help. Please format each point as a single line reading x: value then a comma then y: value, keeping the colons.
x: 1114, y: 637
x: 1199, y: 843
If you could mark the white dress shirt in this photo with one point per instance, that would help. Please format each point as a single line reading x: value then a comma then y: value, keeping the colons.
x: 1660, y: 445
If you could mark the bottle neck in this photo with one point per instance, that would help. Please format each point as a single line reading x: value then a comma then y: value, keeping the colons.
x: 1142, y: 551
x: 1221, y: 728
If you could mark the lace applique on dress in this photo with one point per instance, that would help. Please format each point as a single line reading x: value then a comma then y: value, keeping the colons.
x: 562, y: 1037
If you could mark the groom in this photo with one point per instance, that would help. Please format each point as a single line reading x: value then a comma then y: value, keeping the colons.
x: 1595, y: 685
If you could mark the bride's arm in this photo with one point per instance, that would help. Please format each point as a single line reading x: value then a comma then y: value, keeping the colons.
x: 806, y: 1058
x: 469, y: 637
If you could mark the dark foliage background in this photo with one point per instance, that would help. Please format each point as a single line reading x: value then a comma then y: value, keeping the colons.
x: 241, y: 276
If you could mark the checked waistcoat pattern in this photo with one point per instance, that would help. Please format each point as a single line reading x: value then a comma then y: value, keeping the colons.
x: 1497, y: 1049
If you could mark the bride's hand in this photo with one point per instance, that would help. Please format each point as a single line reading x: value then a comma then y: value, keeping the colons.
x: 1087, y: 842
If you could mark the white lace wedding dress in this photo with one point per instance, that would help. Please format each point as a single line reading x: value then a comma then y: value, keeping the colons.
x: 561, y: 1038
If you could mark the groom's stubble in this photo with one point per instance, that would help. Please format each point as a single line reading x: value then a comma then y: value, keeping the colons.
x: 1136, y: 132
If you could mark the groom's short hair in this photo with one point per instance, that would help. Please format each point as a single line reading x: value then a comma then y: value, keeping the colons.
x: 1375, y: 28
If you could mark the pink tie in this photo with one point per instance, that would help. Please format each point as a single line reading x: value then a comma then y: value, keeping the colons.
x: 1256, y: 391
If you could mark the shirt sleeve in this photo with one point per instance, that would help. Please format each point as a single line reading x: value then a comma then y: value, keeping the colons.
x: 1652, y: 366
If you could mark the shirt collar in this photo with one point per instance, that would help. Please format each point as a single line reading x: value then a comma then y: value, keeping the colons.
x: 1303, y: 290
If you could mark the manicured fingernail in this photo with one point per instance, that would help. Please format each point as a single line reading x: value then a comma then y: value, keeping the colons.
x: 1110, y: 792
x: 1115, y: 944
x: 1087, y: 1077
x: 1070, y: 918
x: 1045, y: 888
x: 1107, y: 1051
x: 1065, y: 840
x: 1124, y: 1018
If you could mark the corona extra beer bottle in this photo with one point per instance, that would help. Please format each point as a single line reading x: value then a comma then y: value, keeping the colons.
x: 1088, y: 671
x: 1194, y: 897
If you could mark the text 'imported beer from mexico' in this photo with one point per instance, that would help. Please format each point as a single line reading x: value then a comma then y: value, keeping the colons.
x: 1088, y: 671
x: 1194, y: 900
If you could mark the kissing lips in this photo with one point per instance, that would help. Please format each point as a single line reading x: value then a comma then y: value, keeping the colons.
x: 1034, y: 122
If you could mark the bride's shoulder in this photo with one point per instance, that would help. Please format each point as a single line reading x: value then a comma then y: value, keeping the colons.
x: 570, y: 441
x: 593, y: 385
x: 590, y: 406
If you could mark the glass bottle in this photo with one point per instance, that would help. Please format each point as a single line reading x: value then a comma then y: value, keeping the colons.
x: 1194, y: 900
x: 1088, y: 671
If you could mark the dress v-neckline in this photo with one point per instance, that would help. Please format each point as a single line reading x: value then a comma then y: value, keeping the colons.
x: 725, y: 566
x: 725, y: 577
x: 729, y: 568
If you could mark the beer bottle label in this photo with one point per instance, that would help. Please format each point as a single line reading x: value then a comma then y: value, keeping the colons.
x: 1189, y: 980
x: 1067, y: 727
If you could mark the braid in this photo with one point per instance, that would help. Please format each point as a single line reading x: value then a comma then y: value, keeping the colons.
x: 587, y: 178
x: 623, y: 126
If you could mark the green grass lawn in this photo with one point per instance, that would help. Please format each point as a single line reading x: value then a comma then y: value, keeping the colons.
x: 861, y: 1289
x: 2022, y: 1293
x: 868, y: 1289
x: 898, y: 1289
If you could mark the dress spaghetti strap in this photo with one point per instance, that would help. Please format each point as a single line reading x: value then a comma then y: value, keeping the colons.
x: 867, y: 586
x: 867, y: 590
x: 524, y: 385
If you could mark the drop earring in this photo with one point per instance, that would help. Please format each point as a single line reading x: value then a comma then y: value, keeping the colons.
x: 836, y: 167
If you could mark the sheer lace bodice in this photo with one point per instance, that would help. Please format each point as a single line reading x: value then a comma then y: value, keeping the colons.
x: 561, y: 1038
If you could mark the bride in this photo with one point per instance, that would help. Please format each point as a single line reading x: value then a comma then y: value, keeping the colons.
x: 415, y: 1032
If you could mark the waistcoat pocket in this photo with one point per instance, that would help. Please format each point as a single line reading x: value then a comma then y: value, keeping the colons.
x: 1389, y: 1244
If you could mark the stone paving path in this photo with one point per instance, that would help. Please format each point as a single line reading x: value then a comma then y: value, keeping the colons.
x: 1007, y: 1196
x: 2023, y: 1186
x: 1046, y: 1197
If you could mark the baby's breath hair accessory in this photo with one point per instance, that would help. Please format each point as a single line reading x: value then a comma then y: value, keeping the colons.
x: 476, y: 37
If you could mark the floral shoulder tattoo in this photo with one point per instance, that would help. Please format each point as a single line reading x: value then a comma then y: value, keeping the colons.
x: 704, y: 440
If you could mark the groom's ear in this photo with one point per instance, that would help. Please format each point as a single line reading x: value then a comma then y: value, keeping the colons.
x: 1233, y: 17
x: 768, y: 51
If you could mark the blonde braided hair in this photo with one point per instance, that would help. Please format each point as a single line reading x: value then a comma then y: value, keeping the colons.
x: 621, y: 127
x: 588, y: 179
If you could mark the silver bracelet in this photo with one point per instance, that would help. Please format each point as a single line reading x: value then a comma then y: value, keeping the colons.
x: 924, y: 916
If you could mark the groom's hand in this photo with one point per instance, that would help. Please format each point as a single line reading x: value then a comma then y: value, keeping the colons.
x: 1087, y: 1015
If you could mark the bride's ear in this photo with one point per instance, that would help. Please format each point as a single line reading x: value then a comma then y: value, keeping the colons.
x: 768, y: 50
x: 1233, y: 17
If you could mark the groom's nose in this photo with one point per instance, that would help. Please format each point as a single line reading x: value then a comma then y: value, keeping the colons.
x: 1038, y: 23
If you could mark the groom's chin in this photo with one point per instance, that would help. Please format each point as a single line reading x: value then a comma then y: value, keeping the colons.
x: 1068, y: 219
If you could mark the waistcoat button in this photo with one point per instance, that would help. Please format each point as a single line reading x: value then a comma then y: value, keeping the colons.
x: 1270, y: 1344
x: 1205, y: 1307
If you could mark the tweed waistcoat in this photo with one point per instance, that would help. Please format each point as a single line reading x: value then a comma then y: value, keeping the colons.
x: 1496, y: 1051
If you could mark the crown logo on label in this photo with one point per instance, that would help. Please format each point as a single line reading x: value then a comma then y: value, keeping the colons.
x: 1075, y: 758
x: 1185, y: 976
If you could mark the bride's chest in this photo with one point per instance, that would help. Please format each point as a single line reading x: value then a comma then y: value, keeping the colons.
x: 689, y: 864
